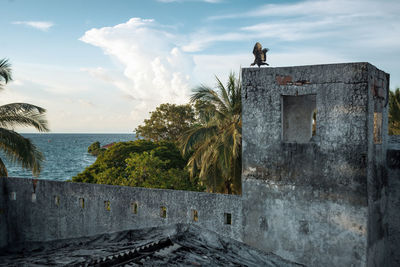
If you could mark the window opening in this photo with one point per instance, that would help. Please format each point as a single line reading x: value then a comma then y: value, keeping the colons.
x: 228, y: 218
x: 163, y: 212
x: 134, y: 207
x: 298, y: 118
x: 195, y: 215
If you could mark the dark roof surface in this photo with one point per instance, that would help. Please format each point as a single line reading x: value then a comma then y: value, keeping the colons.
x: 176, y: 245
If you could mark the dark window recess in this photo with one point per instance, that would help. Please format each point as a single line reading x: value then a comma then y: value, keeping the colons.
x: 107, y: 205
x: 57, y: 200
x: 163, y: 212
x: 82, y: 202
x: 228, y: 218
x: 134, y: 207
x: 13, y: 196
x: 195, y: 215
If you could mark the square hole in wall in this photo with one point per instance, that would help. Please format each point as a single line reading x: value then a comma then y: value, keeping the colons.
x: 195, y: 215
x: 57, y: 200
x: 228, y: 218
x: 134, y: 207
x: 82, y: 202
x: 13, y: 196
x: 107, y: 205
x: 297, y: 118
x: 378, y: 127
x: 163, y: 212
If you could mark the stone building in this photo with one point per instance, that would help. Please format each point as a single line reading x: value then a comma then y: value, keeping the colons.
x: 316, y: 198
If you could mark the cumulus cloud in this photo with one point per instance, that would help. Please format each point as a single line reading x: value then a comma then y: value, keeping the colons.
x: 155, y: 70
x: 40, y: 25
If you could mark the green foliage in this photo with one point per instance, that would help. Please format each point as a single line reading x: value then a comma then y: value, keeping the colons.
x: 17, y: 148
x: 214, y: 144
x: 168, y: 122
x: 140, y: 163
x: 95, y: 149
x: 394, y: 112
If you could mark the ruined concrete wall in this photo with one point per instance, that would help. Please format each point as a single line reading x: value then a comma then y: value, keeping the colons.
x: 3, y: 221
x: 377, y: 176
x: 310, y: 200
x: 53, y: 210
x: 393, y: 204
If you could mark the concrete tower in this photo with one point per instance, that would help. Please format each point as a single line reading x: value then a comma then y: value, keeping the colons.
x: 316, y: 197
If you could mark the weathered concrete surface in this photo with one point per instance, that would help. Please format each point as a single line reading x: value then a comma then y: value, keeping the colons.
x: 304, y: 225
x: 56, y: 212
x: 316, y: 201
x: 393, y: 204
x: 188, y: 245
x: 3, y: 219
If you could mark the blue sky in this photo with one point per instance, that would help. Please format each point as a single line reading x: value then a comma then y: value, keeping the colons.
x: 102, y: 65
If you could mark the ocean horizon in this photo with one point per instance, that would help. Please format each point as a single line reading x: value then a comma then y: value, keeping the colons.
x: 65, y: 153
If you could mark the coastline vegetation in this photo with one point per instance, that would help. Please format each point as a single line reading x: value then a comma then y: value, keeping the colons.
x: 141, y: 163
x: 16, y: 148
x: 196, y: 146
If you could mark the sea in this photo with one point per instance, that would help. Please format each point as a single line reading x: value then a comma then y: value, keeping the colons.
x: 65, y: 154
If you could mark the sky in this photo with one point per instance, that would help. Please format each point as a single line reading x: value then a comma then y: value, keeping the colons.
x: 100, y: 66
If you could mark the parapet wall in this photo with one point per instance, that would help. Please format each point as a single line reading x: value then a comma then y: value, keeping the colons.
x: 41, y: 210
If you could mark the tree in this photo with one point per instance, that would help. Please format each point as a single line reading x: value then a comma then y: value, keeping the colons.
x: 168, y: 122
x: 95, y: 149
x: 17, y: 148
x: 394, y: 112
x: 141, y: 163
x: 214, y: 145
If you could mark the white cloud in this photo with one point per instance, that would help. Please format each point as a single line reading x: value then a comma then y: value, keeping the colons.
x: 315, y: 8
x: 181, y: 1
x: 353, y: 25
x: 40, y: 25
x: 155, y: 70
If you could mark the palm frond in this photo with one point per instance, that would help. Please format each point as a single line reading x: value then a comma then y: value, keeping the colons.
x: 5, y: 72
x: 23, y: 114
x: 215, y: 144
x: 21, y: 150
x: 3, y: 169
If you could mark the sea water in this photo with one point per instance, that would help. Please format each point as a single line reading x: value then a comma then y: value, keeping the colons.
x: 65, y: 154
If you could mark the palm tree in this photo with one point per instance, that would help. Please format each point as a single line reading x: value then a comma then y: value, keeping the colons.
x: 394, y: 112
x: 215, y: 144
x: 17, y: 148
